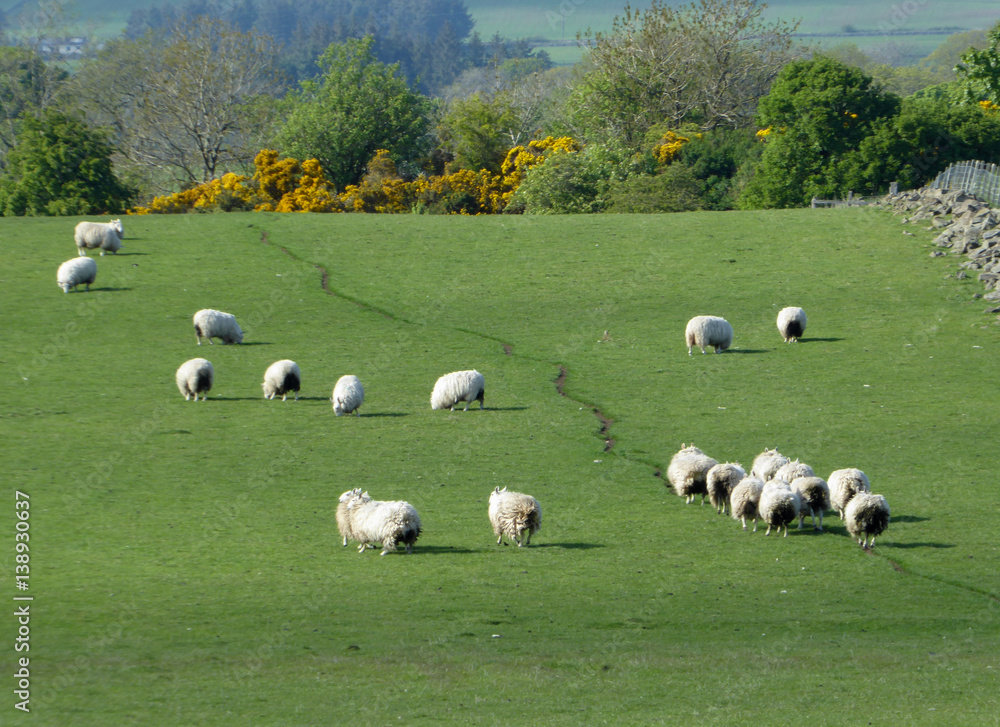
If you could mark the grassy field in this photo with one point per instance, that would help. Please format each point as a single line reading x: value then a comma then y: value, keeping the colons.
x: 185, y: 563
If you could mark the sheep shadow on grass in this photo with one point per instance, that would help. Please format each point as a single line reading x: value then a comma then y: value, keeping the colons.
x: 108, y: 289
x: 819, y: 340
x: 748, y: 350
x: 568, y: 546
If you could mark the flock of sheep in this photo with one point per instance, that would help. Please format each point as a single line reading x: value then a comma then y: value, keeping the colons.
x: 777, y: 490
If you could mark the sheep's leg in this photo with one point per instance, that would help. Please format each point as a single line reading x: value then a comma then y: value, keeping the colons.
x: 345, y: 541
x: 820, y: 528
x: 768, y: 529
x: 284, y: 397
x: 755, y: 523
x: 500, y: 539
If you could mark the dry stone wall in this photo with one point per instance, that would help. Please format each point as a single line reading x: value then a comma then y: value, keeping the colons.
x: 968, y: 226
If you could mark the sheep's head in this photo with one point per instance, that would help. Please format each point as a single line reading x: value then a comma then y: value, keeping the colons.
x: 338, y: 405
x: 497, y: 492
x: 350, y: 495
x: 116, y: 225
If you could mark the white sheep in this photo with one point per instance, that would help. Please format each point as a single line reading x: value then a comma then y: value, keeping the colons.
x: 712, y: 331
x: 779, y: 506
x: 514, y: 514
x: 343, y: 519
x: 767, y: 463
x: 844, y: 485
x: 744, y: 501
x: 688, y: 473
x: 720, y: 482
x: 210, y: 323
x: 467, y: 386
x: 78, y: 271
x: 281, y: 378
x: 866, y: 514
x: 376, y: 521
x: 791, y: 323
x: 195, y: 377
x: 106, y: 236
x: 348, y: 395
x: 791, y: 471
x: 814, y: 495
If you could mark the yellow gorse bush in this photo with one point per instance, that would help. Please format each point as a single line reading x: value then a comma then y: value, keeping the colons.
x: 287, y: 185
x: 669, y: 146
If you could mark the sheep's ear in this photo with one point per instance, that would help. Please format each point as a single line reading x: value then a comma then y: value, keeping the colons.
x: 497, y: 488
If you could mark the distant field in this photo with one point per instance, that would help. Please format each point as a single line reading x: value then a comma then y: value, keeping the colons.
x: 185, y: 562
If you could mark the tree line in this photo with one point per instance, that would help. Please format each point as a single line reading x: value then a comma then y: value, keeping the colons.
x: 707, y: 106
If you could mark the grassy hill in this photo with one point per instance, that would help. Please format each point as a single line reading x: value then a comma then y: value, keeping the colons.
x: 185, y: 562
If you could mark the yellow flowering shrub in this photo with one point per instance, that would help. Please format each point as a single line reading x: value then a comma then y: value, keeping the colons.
x: 989, y: 107
x: 669, y: 145
x: 287, y: 185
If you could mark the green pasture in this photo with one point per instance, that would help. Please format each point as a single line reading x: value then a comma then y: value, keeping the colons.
x: 185, y: 562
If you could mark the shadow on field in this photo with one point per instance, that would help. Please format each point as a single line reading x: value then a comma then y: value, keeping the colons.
x: 749, y: 350
x: 382, y: 414
x: 128, y: 254
x: 909, y: 519
x: 505, y: 408
x: 911, y: 546
x: 108, y: 290
x: 568, y: 546
x: 820, y: 340
x: 253, y: 343
x: 438, y: 549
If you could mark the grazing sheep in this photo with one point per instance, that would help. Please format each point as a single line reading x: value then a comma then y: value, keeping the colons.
x: 515, y: 515
x: 866, y: 514
x: 78, y: 271
x: 778, y: 506
x: 688, y: 473
x: 791, y: 323
x: 845, y: 484
x: 377, y: 521
x: 745, y: 500
x: 348, y: 395
x: 720, y: 481
x: 209, y: 323
x: 195, y: 377
x: 814, y: 495
x: 791, y: 471
x: 467, y: 386
x: 712, y: 331
x: 106, y: 236
x: 282, y: 377
x: 767, y: 463
x: 343, y: 520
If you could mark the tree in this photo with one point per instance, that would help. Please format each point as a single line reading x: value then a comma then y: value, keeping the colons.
x: 27, y: 84
x: 979, y: 71
x: 817, y: 112
x: 707, y: 63
x: 473, y: 130
x: 60, y: 166
x: 357, y: 107
x: 182, y: 107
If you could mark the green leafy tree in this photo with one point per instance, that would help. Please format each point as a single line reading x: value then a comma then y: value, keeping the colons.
x: 817, y: 112
x: 707, y: 63
x: 357, y: 107
x: 475, y: 129
x: 979, y: 71
x: 60, y: 166
x: 27, y: 84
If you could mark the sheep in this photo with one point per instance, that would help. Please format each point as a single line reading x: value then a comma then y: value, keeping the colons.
x: 348, y: 395
x: 343, y: 519
x: 195, y: 377
x: 688, y: 473
x: 467, y: 386
x: 745, y: 500
x: 845, y: 484
x: 866, y: 514
x: 209, y: 323
x: 282, y: 377
x: 720, y: 481
x: 514, y: 514
x: 767, y: 463
x: 712, y: 331
x: 791, y: 323
x: 815, y: 497
x: 778, y: 506
x: 76, y: 272
x: 106, y: 236
x: 790, y: 471
x: 378, y: 521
